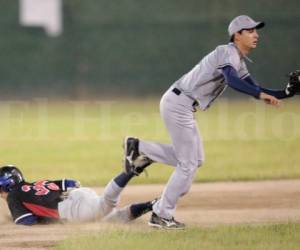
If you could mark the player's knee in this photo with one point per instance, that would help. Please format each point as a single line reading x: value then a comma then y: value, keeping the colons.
x: 184, y: 192
x: 188, y: 168
x: 110, y: 200
x: 111, y: 194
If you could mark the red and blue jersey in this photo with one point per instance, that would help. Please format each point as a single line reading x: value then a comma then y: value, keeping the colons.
x: 39, y: 198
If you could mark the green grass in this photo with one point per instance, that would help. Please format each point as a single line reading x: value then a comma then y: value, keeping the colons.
x: 244, y: 140
x: 259, y: 237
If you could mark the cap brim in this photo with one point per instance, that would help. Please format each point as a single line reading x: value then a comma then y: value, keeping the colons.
x: 260, y: 25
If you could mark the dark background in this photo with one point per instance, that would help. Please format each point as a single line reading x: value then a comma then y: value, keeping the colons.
x: 137, y: 47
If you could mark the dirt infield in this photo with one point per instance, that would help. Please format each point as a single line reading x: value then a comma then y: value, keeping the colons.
x: 205, y: 205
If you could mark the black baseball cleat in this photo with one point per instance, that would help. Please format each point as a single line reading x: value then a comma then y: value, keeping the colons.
x: 134, y: 162
x: 162, y: 223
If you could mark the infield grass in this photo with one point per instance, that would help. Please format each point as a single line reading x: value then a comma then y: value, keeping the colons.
x: 247, y: 237
x: 244, y: 140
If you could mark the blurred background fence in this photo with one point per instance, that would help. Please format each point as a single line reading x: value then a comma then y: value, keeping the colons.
x: 136, y: 47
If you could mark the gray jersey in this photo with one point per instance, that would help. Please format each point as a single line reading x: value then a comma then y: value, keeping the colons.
x: 205, y: 82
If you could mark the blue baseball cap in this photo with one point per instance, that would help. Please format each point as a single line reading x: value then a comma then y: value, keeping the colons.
x: 243, y: 22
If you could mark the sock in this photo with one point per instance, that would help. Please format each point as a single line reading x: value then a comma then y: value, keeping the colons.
x: 139, y: 209
x: 122, y: 179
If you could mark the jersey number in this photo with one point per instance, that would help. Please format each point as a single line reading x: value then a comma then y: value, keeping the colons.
x: 41, y: 187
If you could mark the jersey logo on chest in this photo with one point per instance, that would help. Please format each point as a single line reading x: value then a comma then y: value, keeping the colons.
x: 41, y: 187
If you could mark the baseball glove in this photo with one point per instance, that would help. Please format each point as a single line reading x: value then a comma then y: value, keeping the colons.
x: 293, y: 86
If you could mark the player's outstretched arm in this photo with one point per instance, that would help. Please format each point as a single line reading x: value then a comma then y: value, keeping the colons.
x: 279, y: 94
x: 67, y: 184
x: 233, y: 81
x: 248, y: 88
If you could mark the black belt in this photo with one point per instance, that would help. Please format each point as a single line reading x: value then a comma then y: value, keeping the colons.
x: 178, y: 92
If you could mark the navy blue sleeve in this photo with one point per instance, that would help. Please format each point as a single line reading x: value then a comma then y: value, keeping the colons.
x: 66, y: 183
x: 28, y: 220
x: 279, y: 94
x: 250, y: 80
x: 71, y: 183
x: 238, y: 84
x: 18, y: 211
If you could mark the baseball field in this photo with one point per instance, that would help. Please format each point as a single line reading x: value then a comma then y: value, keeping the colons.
x: 246, y: 196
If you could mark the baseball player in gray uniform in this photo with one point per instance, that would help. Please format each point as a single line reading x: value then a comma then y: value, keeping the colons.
x: 224, y: 66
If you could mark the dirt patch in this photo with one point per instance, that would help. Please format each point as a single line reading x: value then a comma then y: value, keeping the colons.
x: 205, y: 205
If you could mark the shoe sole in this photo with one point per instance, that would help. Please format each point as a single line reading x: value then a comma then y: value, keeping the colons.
x: 155, y: 225
x: 165, y: 228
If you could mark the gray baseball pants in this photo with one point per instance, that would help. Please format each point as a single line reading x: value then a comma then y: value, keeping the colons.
x: 186, y: 152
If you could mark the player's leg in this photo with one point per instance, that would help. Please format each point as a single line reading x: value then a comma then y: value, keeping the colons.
x: 84, y: 204
x: 178, y: 185
x: 134, y: 161
x: 179, y: 120
x: 140, y: 154
x: 80, y: 205
x: 200, y: 147
x: 112, y: 191
x: 158, y: 152
x: 130, y: 212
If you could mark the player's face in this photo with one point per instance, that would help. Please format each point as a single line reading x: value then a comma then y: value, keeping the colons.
x: 248, y: 39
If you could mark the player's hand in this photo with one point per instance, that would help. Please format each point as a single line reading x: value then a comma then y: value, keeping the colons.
x: 269, y: 99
